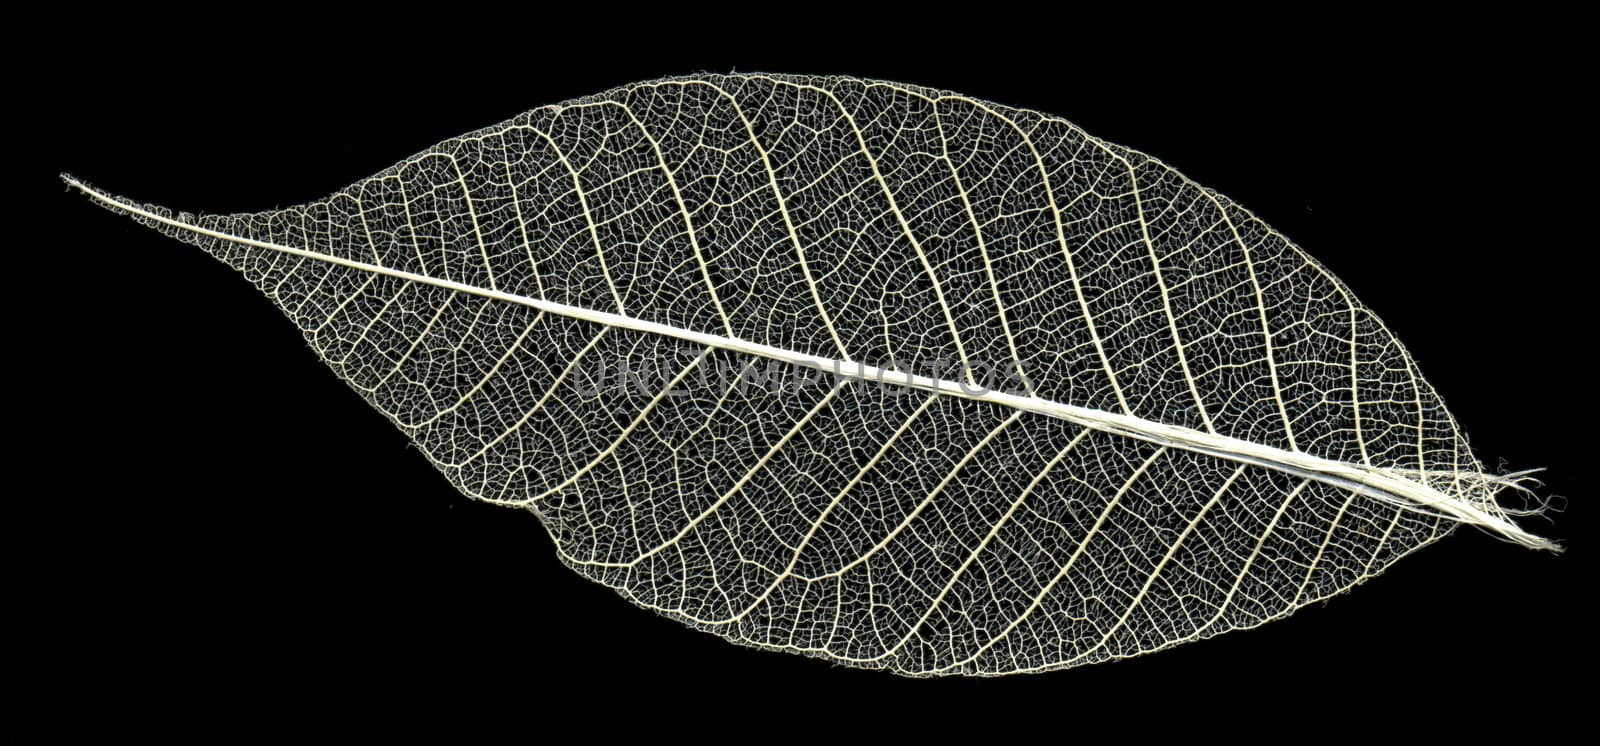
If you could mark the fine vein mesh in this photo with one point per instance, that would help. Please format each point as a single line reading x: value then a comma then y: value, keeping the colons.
x: 875, y: 223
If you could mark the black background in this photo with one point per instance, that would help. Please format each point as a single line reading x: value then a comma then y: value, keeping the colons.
x: 225, y: 529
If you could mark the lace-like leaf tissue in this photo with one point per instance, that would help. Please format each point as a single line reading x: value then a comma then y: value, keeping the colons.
x: 882, y: 374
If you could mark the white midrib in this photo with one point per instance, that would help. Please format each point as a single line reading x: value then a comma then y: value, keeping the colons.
x: 1373, y: 482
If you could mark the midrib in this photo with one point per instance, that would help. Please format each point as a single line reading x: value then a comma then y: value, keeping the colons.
x: 1380, y: 484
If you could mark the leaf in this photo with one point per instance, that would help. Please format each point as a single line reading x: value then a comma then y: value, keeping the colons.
x: 872, y: 372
